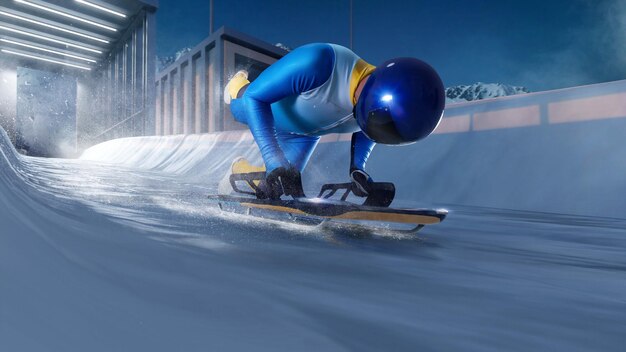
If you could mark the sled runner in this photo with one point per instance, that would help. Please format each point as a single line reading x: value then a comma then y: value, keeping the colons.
x: 245, y: 179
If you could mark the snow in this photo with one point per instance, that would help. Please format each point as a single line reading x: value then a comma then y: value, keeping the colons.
x: 479, y: 91
x: 283, y: 46
x: 163, y: 62
x: 130, y: 256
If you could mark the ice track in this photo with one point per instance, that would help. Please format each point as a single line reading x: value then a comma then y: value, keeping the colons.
x: 100, y: 257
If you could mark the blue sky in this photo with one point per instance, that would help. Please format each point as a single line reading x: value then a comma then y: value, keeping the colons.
x: 538, y: 44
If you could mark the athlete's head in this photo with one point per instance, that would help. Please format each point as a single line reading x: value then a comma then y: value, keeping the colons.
x: 401, y: 102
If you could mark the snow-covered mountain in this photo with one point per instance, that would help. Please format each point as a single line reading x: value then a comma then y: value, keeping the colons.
x: 283, y: 46
x: 479, y: 91
x: 164, y: 61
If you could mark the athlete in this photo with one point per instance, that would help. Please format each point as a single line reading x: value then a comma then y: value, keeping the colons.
x: 321, y: 88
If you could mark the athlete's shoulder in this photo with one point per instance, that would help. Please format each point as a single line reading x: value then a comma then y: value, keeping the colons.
x: 323, y: 55
x: 342, y: 50
x: 316, y: 54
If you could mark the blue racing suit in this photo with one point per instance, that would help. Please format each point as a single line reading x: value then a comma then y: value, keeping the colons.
x: 304, y: 95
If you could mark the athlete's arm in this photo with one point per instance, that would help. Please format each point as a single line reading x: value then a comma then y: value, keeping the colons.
x: 360, y: 150
x: 305, y: 68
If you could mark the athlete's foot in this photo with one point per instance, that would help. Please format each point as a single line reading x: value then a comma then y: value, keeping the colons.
x: 231, y: 90
x: 283, y: 181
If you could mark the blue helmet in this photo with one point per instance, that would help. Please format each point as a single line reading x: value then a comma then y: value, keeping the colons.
x: 401, y: 102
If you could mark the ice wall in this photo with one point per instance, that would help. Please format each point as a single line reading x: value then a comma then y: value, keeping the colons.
x: 560, y: 151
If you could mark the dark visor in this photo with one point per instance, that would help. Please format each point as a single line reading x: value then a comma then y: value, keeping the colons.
x: 381, y: 128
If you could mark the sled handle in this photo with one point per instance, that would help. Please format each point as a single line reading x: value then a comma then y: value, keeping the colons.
x: 332, y: 188
x: 249, y: 178
x: 381, y: 195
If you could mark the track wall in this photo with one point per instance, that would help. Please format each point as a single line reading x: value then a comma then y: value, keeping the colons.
x: 560, y: 151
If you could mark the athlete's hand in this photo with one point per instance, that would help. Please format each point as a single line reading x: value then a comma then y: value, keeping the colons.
x: 282, y: 180
x: 361, y: 182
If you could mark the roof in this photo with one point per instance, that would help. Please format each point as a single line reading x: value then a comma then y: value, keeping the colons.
x: 74, y: 33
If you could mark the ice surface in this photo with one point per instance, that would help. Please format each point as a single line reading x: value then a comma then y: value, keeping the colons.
x: 131, y: 257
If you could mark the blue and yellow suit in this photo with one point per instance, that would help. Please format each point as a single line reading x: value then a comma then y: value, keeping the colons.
x: 308, y: 93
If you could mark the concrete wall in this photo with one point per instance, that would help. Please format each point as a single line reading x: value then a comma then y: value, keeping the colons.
x: 560, y: 151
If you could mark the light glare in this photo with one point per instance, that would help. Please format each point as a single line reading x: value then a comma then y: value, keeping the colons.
x: 84, y: 20
x: 46, y: 59
x: 387, y: 98
x: 49, y: 39
x: 101, y: 8
x: 53, y: 27
x: 46, y: 50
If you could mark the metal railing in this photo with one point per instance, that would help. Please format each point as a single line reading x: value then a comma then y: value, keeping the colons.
x: 120, y: 100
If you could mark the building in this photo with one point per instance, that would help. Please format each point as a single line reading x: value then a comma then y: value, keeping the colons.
x: 189, y: 92
x: 74, y: 73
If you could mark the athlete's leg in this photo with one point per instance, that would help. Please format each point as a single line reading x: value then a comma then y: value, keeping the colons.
x: 297, y: 148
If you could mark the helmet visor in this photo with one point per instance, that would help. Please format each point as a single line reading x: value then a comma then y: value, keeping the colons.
x: 381, y: 128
